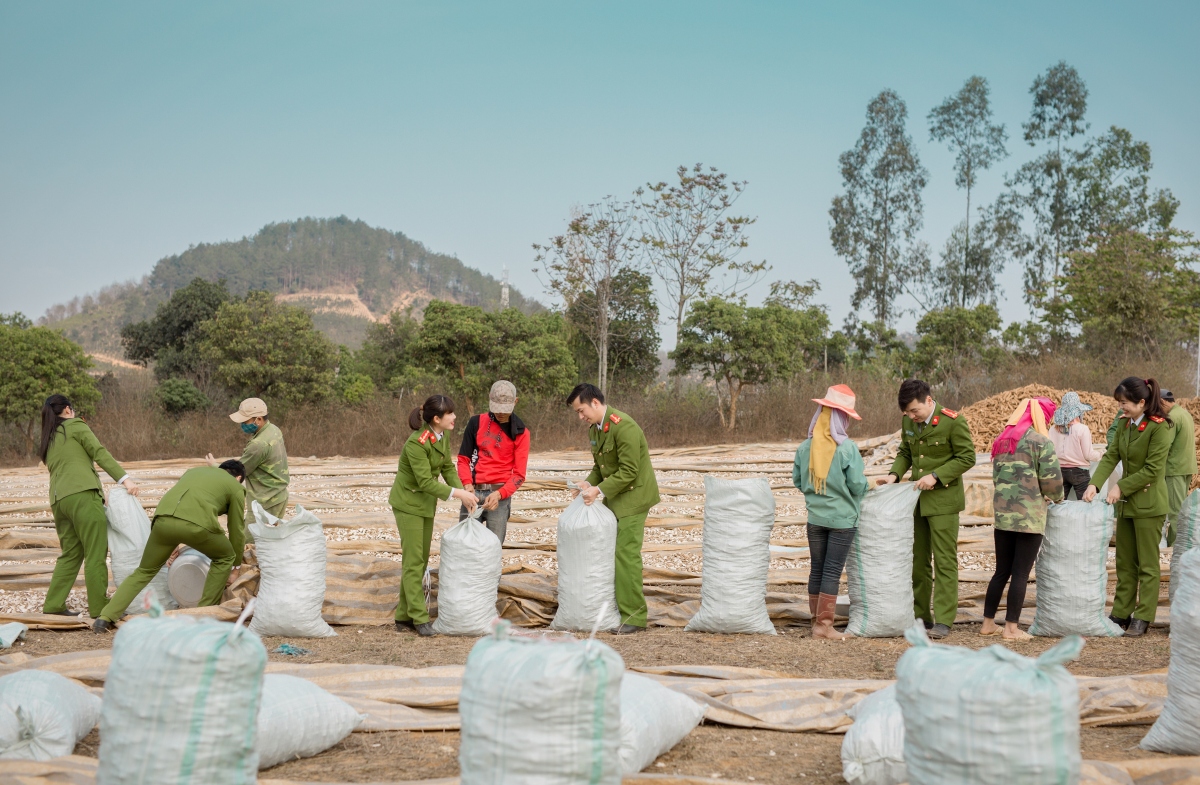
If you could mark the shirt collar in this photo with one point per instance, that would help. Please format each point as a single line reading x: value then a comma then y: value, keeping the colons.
x: 931, y: 411
x: 600, y: 424
x: 1138, y: 421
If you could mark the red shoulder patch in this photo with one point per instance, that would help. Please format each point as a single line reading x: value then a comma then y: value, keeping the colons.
x: 424, y: 437
x: 1157, y: 419
x: 614, y: 418
x: 953, y: 415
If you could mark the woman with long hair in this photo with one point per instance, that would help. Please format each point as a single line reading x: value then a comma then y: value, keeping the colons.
x: 70, y: 451
x: 1141, y: 443
x: 415, y: 493
x: 1026, y: 475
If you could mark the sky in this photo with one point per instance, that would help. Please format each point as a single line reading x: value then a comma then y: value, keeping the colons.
x: 130, y: 131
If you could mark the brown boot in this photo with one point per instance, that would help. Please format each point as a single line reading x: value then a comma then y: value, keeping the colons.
x: 823, y: 628
x: 812, y: 611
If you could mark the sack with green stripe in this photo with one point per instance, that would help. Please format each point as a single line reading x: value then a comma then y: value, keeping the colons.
x: 879, y: 568
x: 1187, y: 536
x: 990, y: 717
x: 540, y: 710
x: 181, y: 702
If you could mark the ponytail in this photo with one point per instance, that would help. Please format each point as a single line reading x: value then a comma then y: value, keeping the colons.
x: 434, y: 406
x: 52, y: 420
x: 1135, y: 389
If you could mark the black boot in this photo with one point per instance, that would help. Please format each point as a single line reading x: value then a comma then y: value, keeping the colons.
x: 1137, y: 628
x: 102, y: 626
x: 63, y: 612
x: 1122, y: 623
x: 426, y: 630
x: 405, y: 626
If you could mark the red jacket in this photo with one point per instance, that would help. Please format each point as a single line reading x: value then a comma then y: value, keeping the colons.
x: 489, y: 456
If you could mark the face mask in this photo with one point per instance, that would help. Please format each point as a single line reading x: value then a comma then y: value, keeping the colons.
x: 250, y: 428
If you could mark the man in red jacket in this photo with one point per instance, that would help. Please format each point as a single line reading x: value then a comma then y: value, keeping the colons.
x: 493, y: 457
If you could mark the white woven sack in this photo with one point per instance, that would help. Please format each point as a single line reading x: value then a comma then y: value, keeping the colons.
x: 298, y: 719
x: 989, y: 717
x: 873, y: 748
x: 1177, y: 729
x: 540, y: 711
x: 1072, y: 571
x: 738, y: 518
x: 587, y: 562
x: 291, y: 564
x: 468, y: 580
x: 43, y: 715
x: 1187, y: 533
x: 879, y: 567
x: 654, y: 718
x: 128, y: 531
x: 181, y: 702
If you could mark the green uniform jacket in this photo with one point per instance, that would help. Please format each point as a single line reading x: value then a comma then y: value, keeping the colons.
x: 841, y: 503
x: 622, y: 467
x: 424, y: 458
x: 944, y: 448
x: 73, y: 452
x: 1143, y: 454
x: 265, y: 459
x: 1181, y: 460
x: 201, y: 495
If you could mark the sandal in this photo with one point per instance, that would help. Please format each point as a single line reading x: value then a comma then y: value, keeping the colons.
x: 1020, y: 636
x: 996, y: 631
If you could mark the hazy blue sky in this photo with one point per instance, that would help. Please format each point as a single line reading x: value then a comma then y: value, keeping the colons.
x: 130, y: 131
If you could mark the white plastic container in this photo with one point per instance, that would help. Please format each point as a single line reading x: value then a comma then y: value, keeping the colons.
x: 186, y: 577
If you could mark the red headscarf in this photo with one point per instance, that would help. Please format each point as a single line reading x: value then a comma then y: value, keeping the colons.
x: 1021, y: 420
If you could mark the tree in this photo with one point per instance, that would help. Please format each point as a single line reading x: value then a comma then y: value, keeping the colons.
x: 268, y: 350
x: 532, y: 352
x: 968, y: 274
x: 689, y: 236
x: 964, y: 122
x: 874, y: 344
x: 738, y: 347
x: 1134, y: 293
x: 35, y: 363
x: 388, y: 354
x: 955, y: 338
x: 169, y: 339
x: 1111, y: 180
x: 178, y: 396
x: 583, y: 266
x: 633, y: 348
x: 874, y: 223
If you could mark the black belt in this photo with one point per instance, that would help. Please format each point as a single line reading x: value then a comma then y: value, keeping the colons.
x: 483, y: 486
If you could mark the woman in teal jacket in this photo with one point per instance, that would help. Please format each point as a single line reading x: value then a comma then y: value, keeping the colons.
x: 415, y: 494
x: 70, y: 451
x: 830, y: 473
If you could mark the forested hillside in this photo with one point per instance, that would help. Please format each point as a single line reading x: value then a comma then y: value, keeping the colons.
x: 344, y: 271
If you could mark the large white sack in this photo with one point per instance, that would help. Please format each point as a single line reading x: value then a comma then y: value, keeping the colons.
x: 654, y: 718
x: 291, y: 565
x: 298, y: 719
x: 989, y: 717
x: 1177, y: 729
x: 181, y: 703
x: 128, y: 531
x: 540, y: 711
x: 468, y: 579
x: 1187, y: 532
x: 879, y: 567
x: 43, y: 715
x: 738, y: 518
x: 587, y: 562
x: 1072, y: 571
x: 873, y: 748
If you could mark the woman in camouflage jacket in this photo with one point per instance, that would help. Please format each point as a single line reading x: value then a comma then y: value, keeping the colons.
x: 1026, y: 476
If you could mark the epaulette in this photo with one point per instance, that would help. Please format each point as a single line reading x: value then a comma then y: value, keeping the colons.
x: 1157, y: 419
x: 614, y: 418
x: 953, y: 415
x: 424, y: 437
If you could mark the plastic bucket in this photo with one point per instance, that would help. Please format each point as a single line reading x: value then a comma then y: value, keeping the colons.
x: 186, y: 576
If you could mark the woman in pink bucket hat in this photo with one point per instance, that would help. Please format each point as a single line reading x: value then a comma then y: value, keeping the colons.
x: 830, y: 473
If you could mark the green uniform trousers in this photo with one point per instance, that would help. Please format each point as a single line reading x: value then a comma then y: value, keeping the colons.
x: 935, y: 538
x: 83, y: 536
x: 416, y: 534
x: 1138, y: 568
x: 1177, y: 491
x: 166, y: 533
x: 631, y: 601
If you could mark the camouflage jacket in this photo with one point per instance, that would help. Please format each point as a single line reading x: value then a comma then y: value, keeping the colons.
x: 265, y: 458
x: 1025, y: 481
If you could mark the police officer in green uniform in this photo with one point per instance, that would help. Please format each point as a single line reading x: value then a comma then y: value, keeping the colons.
x: 1181, y: 460
x: 188, y: 515
x: 936, y: 443
x: 623, y: 477
x: 1141, y: 443
x: 70, y: 451
x: 415, y: 493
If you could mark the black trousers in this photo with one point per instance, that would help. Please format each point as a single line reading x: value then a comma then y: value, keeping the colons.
x: 1077, y: 478
x: 1015, y: 554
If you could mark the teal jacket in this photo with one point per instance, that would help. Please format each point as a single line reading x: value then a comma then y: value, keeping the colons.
x: 845, y: 487
x: 71, y: 459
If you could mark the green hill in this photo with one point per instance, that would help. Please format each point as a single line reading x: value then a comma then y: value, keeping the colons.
x: 345, y: 272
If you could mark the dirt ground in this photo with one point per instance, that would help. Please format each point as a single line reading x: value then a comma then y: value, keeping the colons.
x: 710, y: 750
